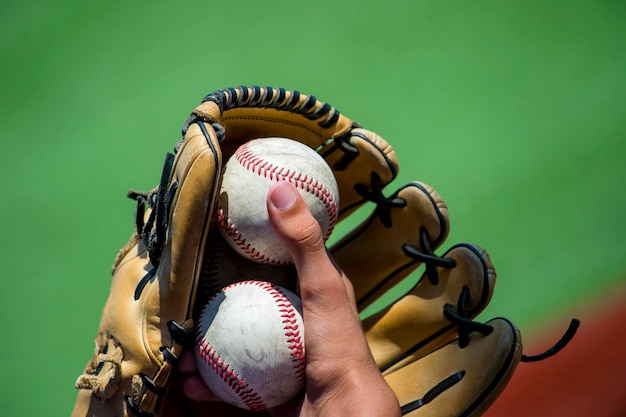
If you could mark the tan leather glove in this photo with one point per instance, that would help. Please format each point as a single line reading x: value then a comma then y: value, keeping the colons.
x: 149, y: 315
x: 435, y: 358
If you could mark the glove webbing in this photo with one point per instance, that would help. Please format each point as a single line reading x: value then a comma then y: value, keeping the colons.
x: 268, y: 97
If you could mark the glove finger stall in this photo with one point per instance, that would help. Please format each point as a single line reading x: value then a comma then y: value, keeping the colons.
x: 373, y: 254
x: 415, y: 324
x: 479, y: 372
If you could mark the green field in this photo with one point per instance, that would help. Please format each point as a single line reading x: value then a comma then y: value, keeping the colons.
x: 514, y: 111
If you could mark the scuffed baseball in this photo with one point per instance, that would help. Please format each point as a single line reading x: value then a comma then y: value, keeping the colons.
x: 250, y: 345
x: 248, y: 175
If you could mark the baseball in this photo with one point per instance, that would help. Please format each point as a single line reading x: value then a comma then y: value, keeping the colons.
x: 250, y: 345
x: 248, y: 176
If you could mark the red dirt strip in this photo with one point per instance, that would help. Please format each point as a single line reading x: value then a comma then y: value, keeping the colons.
x: 587, y: 378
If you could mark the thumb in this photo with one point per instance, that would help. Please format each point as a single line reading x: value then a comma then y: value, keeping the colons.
x: 302, y: 235
x: 334, y: 330
x: 293, y: 222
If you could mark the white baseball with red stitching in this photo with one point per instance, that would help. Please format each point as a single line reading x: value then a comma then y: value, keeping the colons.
x: 250, y: 345
x: 248, y: 176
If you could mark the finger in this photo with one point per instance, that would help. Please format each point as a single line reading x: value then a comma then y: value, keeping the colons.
x: 193, y: 385
x: 195, y: 389
x: 187, y: 363
x: 335, y: 340
x: 321, y: 281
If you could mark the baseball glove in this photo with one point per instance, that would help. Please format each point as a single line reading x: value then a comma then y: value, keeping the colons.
x: 436, y: 359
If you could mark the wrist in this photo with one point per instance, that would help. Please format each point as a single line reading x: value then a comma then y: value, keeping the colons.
x: 360, y: 393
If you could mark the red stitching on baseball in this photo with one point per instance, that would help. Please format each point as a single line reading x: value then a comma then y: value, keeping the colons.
x: 264, y: 168
x: 290, y: 325
x: 241, y: 242
x: 292, y: 333
x: 251, y: 399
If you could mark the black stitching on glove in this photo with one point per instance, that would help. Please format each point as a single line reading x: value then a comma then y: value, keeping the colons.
x: 181, y: 335
x: 433, y: 392
x: 376, y: 196
x: 168, y: 355
x: 144, y: 281
x: 460, y: 318
x: 134, y: 408
x: 152, y: 386
x: 558, y: 346
x: 428, y: 257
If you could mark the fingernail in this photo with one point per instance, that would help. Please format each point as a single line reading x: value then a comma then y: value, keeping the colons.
x: 283, y: 195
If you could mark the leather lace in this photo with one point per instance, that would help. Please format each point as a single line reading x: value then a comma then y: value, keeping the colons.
x: 384, y: 205
x: 153, y: 231
x: 558, y: 346
x: 151, y: 386
x: 269, y: 97
x: 459, y: 316
x: 350, y: 152
x: 375, y: 195
x: 433, y: 393
x: 153, y: 234
x: 427, y: 256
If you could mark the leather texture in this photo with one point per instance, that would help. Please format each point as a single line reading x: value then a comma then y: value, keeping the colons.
x: 438, y: 361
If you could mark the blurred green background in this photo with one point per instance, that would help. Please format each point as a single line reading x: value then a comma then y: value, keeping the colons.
x: 513, y: 110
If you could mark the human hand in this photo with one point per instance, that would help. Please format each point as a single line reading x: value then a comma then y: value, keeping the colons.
x: 342, y: 377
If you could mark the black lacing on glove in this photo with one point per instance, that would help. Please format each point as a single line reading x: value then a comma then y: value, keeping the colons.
x: 461, y: 319
x: 153, y: 234
x: 183, y: 337
x: 426, y: 255
x: 459, y: 316
x: 558, y: 346
x: 433, y: 393
x: 268, y: 97
x: 153, y: 231
x: 350, y: 152
x: 134, y: 408
x: 151, y: 386
x: 375, y: 195
x: 384, y: 205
